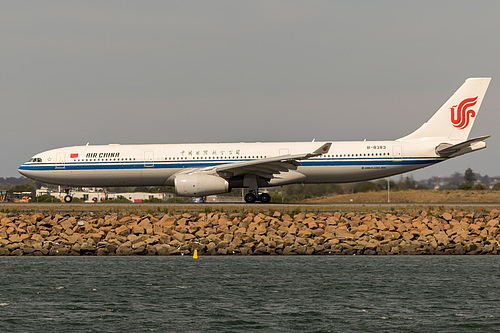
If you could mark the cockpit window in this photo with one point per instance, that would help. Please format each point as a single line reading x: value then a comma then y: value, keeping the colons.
x: 36, y: 160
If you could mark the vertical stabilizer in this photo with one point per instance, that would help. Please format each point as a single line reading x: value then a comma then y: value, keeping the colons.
x: 454, y: 120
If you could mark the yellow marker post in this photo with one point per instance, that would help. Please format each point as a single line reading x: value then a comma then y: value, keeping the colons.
x: 195, y: 254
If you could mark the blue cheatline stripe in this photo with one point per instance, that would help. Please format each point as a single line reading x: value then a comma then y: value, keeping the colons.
x: 203, y: 164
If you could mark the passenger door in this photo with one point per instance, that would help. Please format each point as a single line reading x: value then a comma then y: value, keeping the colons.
x: 149, y: 159
x: 60, y: 161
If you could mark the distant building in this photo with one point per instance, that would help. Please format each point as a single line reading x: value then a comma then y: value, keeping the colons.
x: 456, y: 179
x: 92, y: 195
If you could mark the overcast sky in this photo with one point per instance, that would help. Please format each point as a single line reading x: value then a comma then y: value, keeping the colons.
x: 221, y: 71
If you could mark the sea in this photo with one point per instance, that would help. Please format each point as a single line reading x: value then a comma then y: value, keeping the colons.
x: 250, y: 294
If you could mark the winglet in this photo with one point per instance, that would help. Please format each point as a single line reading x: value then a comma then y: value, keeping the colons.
x: 322, y: 150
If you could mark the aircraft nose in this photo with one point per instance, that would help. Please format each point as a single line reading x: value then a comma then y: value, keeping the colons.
x: 24, y: 171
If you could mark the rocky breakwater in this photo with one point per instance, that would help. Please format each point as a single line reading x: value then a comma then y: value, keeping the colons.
x: 277, y: 233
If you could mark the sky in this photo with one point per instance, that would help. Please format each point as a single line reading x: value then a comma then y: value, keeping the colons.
x: 126, y: 71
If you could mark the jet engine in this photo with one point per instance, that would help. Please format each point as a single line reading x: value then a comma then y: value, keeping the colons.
x: 197, y: 185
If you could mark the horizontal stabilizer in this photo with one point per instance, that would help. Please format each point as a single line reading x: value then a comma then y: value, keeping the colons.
x: 448, y: 150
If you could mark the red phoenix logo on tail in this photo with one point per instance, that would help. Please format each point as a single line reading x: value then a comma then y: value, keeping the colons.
x: 460, y: 117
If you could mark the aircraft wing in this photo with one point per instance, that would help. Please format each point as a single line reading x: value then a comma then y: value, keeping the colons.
x: 266, y: 167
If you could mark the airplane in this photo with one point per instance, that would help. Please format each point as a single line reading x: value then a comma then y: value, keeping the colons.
x: 201, y: 169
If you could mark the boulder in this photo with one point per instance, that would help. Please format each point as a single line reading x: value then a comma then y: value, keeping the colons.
x: 122, y: 230
x: 27, y: 250
x: 343, y: 233
x: 492, y: 223
x: 75, y: 238
x: 124, y: 249
x: 304, y: 233
x: 211, y: 248
x: 111, y: 248
x: 68, y: 223
x: 139, y: 248
x: 16, y: 252
x: 178, y: 236
x: 300, y: 241
x: 96, y: 237
x: 88, y: 248
x: 18, y: 238
x: 447, y: 216
x: 381, y: 225
x: 137, y: 229
x: 162, y: 249
x: 495, y: 213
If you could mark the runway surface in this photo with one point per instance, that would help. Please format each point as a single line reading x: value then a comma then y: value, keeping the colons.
x: 207, y: 207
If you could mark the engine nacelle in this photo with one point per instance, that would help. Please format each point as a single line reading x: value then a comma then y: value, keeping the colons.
x: 197, y: 185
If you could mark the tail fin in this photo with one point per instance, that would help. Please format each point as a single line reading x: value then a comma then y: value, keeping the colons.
x: 454, y: 120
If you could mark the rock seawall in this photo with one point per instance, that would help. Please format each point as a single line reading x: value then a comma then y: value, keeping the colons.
x: 277, y: 233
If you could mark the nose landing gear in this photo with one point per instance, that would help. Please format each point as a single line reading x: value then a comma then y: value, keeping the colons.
x: 68, y: 198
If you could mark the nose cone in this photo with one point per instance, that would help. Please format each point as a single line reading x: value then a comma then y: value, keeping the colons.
x: 25, y: 171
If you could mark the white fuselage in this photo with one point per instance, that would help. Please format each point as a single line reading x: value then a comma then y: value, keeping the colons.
x: 203, y: 169
x: 154, y: 165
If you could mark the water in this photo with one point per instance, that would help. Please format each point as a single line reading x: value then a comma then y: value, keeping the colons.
x: 250, y: 294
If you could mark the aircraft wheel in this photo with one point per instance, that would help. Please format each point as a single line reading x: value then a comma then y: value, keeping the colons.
x: 264, y: 198
x: 250, y: 197
x: 68, y: 198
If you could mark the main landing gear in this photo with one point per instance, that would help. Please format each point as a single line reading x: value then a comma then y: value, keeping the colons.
x: 251, y: 197
x: 250, y: 181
